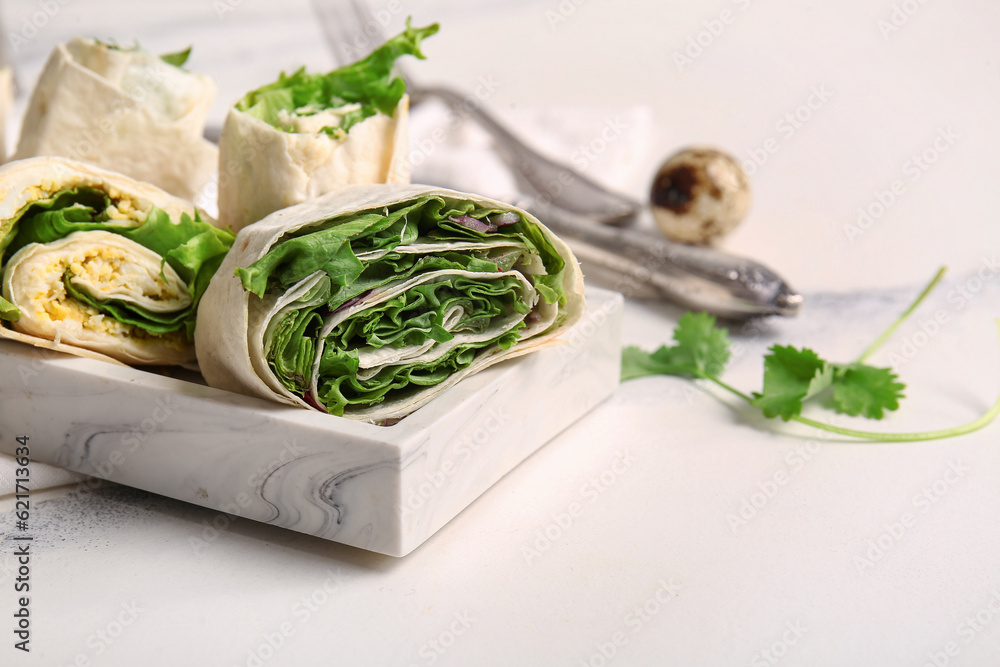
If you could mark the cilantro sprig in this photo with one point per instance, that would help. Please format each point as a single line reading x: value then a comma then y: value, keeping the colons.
x: 794, y: 376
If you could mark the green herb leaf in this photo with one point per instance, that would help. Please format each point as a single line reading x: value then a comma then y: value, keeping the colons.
x: 860, y: 389
x: 790, y: 377
x: 637, y: 363
x: 177, y: 59
x: 701, y: 350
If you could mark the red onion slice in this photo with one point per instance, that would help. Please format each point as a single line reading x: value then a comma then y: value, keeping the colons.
x: 354, y: 300
x: 469, y: 222
x: 308, y: 398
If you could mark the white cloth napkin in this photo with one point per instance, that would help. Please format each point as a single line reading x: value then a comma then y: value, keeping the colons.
x: 606, y: 143
x: 42, y: 476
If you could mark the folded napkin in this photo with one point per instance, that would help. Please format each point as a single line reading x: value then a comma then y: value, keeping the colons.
x: 606, y: 143
x: 43, y: 476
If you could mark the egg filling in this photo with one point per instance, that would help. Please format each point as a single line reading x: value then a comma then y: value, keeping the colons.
x: 71, y: 289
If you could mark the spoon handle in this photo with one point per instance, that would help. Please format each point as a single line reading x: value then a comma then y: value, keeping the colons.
x: 545, y: 179
x: 699, y: 278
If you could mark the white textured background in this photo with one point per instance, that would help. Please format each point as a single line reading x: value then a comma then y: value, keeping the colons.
x: 798, y: 561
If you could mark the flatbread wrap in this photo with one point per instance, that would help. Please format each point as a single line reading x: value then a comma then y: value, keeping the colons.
x: 124, y: 109
x: 307, y: 134
x: 97, y: 264
x: 369, y: 301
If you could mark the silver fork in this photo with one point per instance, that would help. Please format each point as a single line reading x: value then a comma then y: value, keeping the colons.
x: 6, y: 60
x: 643, y: 263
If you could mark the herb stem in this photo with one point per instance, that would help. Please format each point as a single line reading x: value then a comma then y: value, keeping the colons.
x: 969, y: 427
x: 906, y: 313
x: 730, y: 388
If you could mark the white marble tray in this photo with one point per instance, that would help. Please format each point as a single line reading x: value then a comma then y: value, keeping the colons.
x: 385, y: 489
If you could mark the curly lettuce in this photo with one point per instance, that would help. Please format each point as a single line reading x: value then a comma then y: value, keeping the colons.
x: 367, y: 84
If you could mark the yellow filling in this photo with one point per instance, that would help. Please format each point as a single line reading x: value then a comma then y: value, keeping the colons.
x: 108, y: 266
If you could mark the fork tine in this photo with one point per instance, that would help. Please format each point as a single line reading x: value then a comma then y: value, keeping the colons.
x: 6, y: 60
x: 345, y: 31
x: 335, y: 21
x: 361, y: 15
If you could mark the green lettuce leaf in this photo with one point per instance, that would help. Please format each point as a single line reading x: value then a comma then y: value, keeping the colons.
x: 340, y: 387
x: 368, y: 82
x: 9, y: 311
x: 129, y: 313
x: 178, y: 58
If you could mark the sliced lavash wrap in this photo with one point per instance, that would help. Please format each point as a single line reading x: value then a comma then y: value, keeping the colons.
x: 123, y: 109
x: 97, y: 264
x: 307, y: 134
x: 369, y: 301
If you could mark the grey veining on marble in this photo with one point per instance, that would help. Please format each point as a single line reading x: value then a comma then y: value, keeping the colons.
x: 385, y: 489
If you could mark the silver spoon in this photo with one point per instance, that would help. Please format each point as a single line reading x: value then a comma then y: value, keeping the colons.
x: 641, y: 264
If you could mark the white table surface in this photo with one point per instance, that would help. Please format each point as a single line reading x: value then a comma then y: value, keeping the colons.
x: 666, y: 528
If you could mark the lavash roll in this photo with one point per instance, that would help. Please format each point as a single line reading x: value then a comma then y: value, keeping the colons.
x: 403, y: 301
